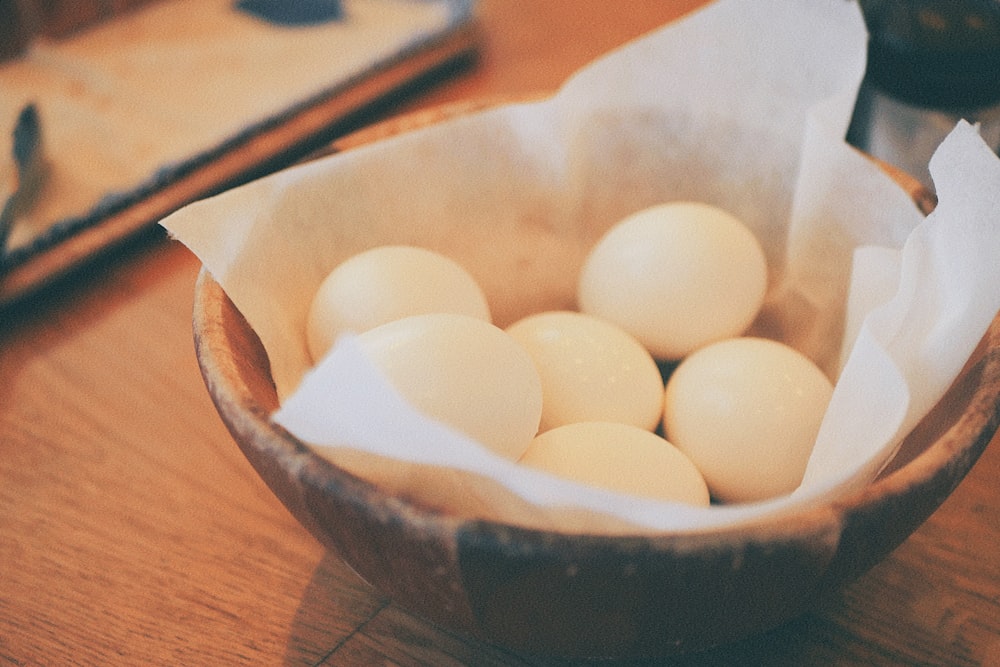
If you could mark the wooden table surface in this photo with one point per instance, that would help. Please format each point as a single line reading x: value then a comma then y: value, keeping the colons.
x: 132, y: 530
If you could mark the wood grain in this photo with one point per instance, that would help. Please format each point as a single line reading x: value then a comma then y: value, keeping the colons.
x: 132, y: 530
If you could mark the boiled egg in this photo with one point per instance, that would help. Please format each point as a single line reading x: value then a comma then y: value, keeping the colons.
x: 591, y: 370
x: 746, y: 411
x: 387, y: 283
x: 463, y: 372
x: 677, y: 276
x: 618, y: 457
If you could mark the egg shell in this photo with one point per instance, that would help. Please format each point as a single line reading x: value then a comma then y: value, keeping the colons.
x: 464, y: 372
x: 387, y: 283
x: 747, y: 411
x: 591, y: 370
x: 618, y: 457
x: 677, y: 276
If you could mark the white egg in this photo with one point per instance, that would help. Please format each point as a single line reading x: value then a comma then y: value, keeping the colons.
x: 385, y: 284
x: 676, y: 276
x: 618, y: 457
x: 463, y: 372
x: 591, y: 370
x: 747, y: 411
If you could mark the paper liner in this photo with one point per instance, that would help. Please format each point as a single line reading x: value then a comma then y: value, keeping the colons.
x: 744, y: 105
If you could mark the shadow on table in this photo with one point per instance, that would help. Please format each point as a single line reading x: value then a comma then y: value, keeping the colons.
x: 342, y: 621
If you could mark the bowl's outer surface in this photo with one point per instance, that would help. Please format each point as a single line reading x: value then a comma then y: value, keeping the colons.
x: 589, y: 595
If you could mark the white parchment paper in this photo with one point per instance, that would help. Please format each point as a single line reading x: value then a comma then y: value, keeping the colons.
x: 743, y: 104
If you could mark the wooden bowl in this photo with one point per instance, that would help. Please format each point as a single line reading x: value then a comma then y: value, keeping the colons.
x: 591, y: 595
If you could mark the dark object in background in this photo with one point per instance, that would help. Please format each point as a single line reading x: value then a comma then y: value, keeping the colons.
x: 293, y: 12
x: 14, y: 34
x: 930, y: 63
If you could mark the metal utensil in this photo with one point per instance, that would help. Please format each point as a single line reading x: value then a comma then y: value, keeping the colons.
x: 29, y: 172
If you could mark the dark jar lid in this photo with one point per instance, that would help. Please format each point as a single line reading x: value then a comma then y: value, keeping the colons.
x: 935, y: 53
